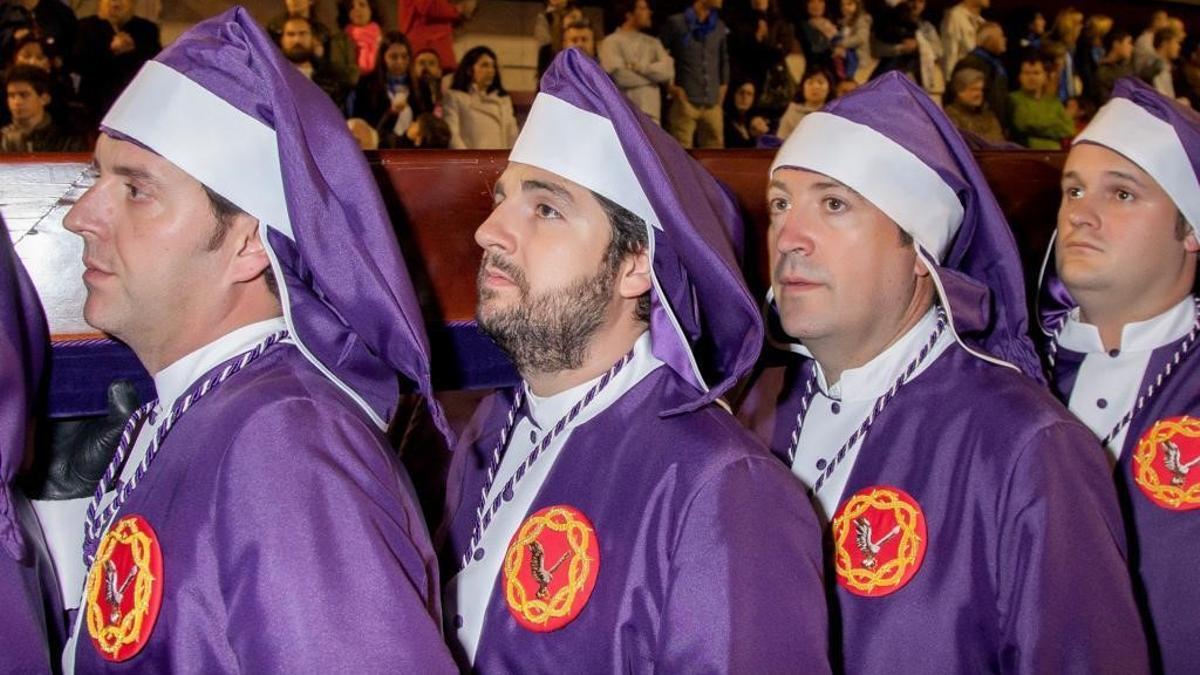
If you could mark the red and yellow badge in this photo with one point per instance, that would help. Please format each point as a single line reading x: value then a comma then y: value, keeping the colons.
x: 879, y: 539
x: 550, y: 568
x: 124, y: 589
x: 1165, y: 463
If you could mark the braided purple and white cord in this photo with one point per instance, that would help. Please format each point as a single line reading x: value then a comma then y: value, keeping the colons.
x: 484, y: 513
x: 1155, y: 385
x: 880, y: 404
x: 98, y: 520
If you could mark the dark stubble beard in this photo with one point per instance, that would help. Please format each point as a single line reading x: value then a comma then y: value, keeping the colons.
x: 546, y: 332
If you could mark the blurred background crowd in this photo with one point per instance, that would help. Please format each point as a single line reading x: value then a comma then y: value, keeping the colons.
x: 714, y: 73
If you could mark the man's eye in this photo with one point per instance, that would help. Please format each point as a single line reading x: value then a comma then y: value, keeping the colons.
x: 777, y: 205
x: 834, y: 204
x: 1073, y: 192
x: 133, y: 191
x: 1124, y: 195
x: 544, y: 211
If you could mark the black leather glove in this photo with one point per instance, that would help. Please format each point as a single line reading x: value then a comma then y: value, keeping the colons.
x: 73, y: 456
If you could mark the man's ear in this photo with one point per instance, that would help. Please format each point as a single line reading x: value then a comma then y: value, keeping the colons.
x: 250, y: 253
x: 633, y: 279
x: 1190, y: 243
x: 920, y: 267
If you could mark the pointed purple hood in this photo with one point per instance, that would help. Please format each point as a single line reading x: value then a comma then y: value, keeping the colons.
x: 892, y: 144
x: 1154, y: 132
x: 704, y: 323
x: 223, y: 104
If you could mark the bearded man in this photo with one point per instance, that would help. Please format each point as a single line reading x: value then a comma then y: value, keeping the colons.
x: 606, y: 514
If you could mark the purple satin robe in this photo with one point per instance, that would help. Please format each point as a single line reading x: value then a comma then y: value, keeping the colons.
x: 30, y: 609
x: 1164, y: 545
x: 289, y: 544
x: 709, y: 550
x: 31, y: 616
x: 1024, y: 568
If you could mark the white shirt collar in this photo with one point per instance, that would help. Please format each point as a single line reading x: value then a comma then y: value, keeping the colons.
x: 547, y: 410
x: 870, y: 380
x: 171, y: 382
x: 1147, y: 335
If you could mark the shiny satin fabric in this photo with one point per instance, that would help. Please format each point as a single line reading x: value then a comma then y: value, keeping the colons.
x: 29, y: 616
x: 709, y: 550
x: 1024, y: 569
x: 351, y: 300
x: 289, y: 543
x: 1164, y: 545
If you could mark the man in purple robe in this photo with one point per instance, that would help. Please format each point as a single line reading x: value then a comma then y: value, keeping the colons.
x: 1119, y: 314
x: 609, y: 514
x: 972, y: 525
x: 254, y: 518
x: 30, y: 618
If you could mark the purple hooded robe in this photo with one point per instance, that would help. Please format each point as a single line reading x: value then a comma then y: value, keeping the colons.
x: 709, y: 552
x: 290, y: 540
x: 1163, y: 542
x: 1023, y: 564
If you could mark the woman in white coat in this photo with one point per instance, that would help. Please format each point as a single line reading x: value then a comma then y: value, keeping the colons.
x: 477, y: 109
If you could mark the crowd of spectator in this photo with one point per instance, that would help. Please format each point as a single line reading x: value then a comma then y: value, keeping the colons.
x: 741, y: 75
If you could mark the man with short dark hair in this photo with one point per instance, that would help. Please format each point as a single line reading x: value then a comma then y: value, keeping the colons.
x: 608, y: 514
x: 1038, y: 119
x: 957, y: 491
x: 581, y: 36
x: 32, y: 128
x: 1120, y: 317
x: 636, y: 61
x: 254, y: 518
x: 332, y: 49
x: 1116, y: 63
x: 1160, y: 72
x: 697, y: 39
x: 300, y: 46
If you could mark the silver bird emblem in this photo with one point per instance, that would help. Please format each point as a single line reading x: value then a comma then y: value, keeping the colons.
x: 1179, y: 470
x: 868, y: 547
x: 113, y: 592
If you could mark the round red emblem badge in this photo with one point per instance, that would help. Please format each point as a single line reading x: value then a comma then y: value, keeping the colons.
x: 879, y: 541
x: 1166, y: 463
x: 124, y: 589
x: 550, y: 568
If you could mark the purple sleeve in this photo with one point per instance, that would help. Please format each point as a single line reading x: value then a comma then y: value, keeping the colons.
x: 746, y: 594
x: 325, y: 564
x: 1065, y: 597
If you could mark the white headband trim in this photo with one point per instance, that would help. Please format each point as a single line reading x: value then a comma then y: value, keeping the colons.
x: 582, y: 147
x: 222, y: 147
x: 595, y: 160
x: 882, y: 171
x: 1125, y: 127
x: 226, y: 150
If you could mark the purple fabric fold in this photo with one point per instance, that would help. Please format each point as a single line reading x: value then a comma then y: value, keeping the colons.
x: 23, y: 350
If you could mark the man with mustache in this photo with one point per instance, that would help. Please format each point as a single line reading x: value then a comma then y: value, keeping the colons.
x: 608, y: 514
x: 972, y: 523
x: 1119, y: 312
x: 254, y: 518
